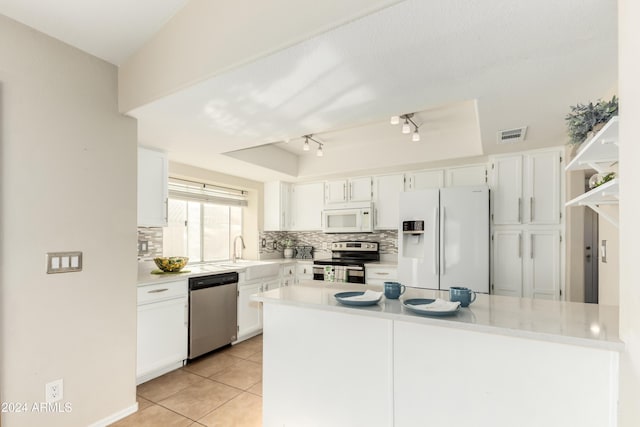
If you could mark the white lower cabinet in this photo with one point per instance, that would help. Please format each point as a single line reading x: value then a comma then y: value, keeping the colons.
x: 288, y: 274
x: 250, y: 312
x: 379, y: 275
x: 163, y: 316
x: 527, y: 263
x: 304, y: 271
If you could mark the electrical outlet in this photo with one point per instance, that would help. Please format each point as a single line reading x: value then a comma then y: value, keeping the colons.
x: 53, y: 391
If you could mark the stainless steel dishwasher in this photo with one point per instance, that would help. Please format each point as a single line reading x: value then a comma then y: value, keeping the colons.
x: 213, y: 312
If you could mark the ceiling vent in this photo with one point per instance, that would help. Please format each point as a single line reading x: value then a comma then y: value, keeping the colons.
x: 510, y: 136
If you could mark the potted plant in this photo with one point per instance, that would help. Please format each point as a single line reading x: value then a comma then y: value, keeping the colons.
x: 287, y: 245
x: 586, y: 118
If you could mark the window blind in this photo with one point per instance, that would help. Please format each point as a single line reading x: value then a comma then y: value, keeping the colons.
x: 207, y: 193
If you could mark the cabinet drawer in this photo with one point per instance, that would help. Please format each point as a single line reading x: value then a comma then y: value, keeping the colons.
x: 304, y: 269
x: 161, y: 291
x: 379, y: 275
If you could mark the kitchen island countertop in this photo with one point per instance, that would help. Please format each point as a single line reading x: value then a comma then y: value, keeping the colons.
x: 587, y: 325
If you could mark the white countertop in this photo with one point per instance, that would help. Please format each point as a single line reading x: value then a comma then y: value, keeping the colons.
x: 588, y: 325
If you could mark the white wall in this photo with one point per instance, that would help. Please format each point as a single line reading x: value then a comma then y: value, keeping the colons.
x: 67, y: 182
x: 629, y: 84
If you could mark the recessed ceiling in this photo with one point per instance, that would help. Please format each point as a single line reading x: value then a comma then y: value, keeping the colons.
x: 520, y: 63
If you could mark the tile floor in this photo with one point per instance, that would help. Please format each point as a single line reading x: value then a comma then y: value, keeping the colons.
x: 223, y: 389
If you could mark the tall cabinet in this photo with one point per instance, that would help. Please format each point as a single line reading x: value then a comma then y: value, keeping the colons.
x: 528, y: 225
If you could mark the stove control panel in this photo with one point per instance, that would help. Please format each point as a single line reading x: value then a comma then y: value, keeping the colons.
x: 355, y: 246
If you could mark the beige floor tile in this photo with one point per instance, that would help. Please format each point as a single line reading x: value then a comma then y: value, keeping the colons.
x: 245, y: 349
x: 256, y: 389
x: 212, y: 364
x: 256, y: 357
x: 168, y: 384
x: 199, y: 399
x: 243, y: 411
x: 154, y: 416
x: 143, y: 403
x: 242, y: 375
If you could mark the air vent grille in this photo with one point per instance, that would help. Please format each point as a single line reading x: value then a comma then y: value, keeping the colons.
x: 509, y: 136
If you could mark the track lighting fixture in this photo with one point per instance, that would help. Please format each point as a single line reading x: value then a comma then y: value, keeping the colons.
x: 306, y: 147
x: 406, y: 126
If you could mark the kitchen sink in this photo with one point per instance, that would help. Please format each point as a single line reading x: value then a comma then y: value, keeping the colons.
x: 254, y: 269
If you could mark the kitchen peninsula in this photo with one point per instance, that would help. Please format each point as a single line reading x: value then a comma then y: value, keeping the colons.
x: 503, y: 361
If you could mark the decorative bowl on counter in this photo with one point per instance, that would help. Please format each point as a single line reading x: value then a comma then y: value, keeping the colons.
x: 171, y: 264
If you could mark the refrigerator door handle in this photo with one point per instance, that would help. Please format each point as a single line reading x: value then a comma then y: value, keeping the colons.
x: 436, y: 248
x: 442, y: 242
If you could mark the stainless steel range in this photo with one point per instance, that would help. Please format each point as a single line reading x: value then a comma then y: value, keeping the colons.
x: 347, y: 262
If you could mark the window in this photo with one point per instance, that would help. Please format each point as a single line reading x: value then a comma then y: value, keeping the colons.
x: 199, y: 228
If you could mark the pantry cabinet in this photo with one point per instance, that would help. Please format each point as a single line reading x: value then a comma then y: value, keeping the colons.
x: 277, y: 208
x: 153, y: 190
x: 386, y: 191
x: 527, y: 263
x: 348, y: 190
x: 526, y: 189
x: 306, y: 206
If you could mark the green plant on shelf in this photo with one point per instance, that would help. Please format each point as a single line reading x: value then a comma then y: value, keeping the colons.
x: 585, y: 118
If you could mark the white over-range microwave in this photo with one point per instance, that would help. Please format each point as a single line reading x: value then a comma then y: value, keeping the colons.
x: 348, y: 220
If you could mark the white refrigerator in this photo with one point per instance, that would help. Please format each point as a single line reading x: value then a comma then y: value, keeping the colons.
x: 443, y: 238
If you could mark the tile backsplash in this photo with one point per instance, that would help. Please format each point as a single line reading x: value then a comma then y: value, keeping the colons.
x: 321, y: 242
x: 151, y: 237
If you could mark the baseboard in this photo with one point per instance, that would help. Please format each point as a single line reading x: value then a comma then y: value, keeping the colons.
x: 116, y: 417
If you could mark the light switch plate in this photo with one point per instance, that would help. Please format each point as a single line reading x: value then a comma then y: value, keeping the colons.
x: 64, y: 262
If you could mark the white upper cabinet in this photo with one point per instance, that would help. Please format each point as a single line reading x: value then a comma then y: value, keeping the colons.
x: 543, y: 188
x: 466, y: 175
x: 348, y: 190
x: 277, y: 209
x: 507, y: 190
x: 306, y: 206
x: 529, y: 195
x: 386, y: 190
x: 152, y: 188
x: 423, y: 180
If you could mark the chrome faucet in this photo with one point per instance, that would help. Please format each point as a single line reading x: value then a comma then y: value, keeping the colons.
x: 233, y: 255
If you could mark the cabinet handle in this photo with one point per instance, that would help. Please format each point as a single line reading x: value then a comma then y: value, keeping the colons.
x: 382, y: 274
x: 375, y: 217
x: 186, y: 314
x: 531, y: 246
x: 350, y: 190
x: 157, y: 291
x: 531, y: 209
x: 344, y: 191
x: 166, y: 210
x: 519, y: 245
x: 519, y: 209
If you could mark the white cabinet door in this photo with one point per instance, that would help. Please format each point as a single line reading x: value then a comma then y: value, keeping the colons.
x: 507, y: 194
x: 277, y: 215
x: 508, y: 249
x: 543, y: 188
x: 386, y: 190
x: 424, y: 180
x: 543, y: 265
x: 304, y: 271
x: 152, y: 188
x: 467, y: 175
x: 306, y: 206
x: 379, y: 275
x: 335, y: 191
x: 360, y: 189
x: 162, y: 337
x: 249, y: 312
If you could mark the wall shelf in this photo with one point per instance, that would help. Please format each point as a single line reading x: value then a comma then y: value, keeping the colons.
x: 605, y: 194
x: 599, y: 153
